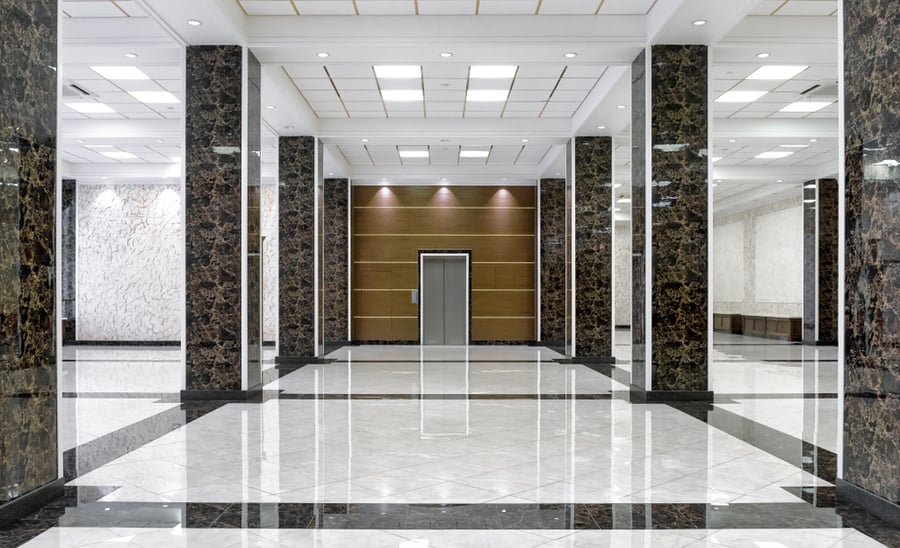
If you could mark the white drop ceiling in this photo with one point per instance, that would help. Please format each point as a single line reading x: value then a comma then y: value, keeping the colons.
x: 552, y: 97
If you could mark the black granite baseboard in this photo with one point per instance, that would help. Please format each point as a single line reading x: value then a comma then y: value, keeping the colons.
x: 588, y: 360
x: 30, y: 502
x: 639, y: 395
x: 281, y: 361
x: 879, y: 507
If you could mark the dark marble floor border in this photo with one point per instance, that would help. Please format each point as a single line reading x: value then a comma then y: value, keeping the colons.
x: 363, y: 396
x: 550, y: 361
x: 723, y: 397
x: 881, y: 508
x: 32, y: 501
x: 557, y: 516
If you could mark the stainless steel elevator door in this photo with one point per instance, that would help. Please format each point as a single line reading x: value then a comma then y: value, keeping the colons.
x: 444, y: 300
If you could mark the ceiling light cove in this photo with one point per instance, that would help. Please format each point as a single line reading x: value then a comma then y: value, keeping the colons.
x: 492, y: 71
x: 90, y: 108
x: 398, y: 71
x: 773, y: 155
x: 740, y: 96
x: 777, y: 72
x: 154, y: 97
x: 401, y: 95
x: 806, y: 106
x: 120, y: 73
x: 487, y: 95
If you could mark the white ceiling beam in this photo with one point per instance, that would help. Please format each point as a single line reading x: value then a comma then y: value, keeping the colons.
x: 675, y: 20
x: 113, y: 172
x: 467, y: 131
x: 584, y: 121
x: 223, y: 22
x: 171, y: 130
x: 788, y: 174
x: 783, y: 29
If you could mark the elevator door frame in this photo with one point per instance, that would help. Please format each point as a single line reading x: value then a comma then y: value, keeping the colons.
x: 455, y: 254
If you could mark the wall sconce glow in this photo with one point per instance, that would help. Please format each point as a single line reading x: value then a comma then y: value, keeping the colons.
x: 473, y: 153
x: 773, y: 155
x: 120, y: 73
x: 119, y: 155
x: 777, y: 72
x: 398, y: 71
x: 402, y: 95
x: 806, y: 106
x: 487, y: 95
x: 90, y: 108
x: 154, y: 97
x: 735, y: 96
x: 493, y: 71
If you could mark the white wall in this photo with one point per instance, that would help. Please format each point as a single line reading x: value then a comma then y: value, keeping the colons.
x: 623, y: 273
x: 129, y: 255
x: 758, y: 261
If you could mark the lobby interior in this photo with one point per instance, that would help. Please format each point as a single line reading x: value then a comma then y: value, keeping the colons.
x: 661, y: 232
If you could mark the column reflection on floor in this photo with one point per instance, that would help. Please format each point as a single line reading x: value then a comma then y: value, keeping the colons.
x: 413, y: 446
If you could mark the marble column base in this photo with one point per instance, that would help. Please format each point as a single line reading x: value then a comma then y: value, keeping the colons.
x: 639, y: 395
x: 30, y: 502
x: 877, y: 506
x: 299, y: 360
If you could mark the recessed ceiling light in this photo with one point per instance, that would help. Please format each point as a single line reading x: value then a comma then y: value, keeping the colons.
x: 398, y: 71
x: 793, y: 146
x: 119, y: 155
x: 120, y: 73
x: 570, y: 55
x: 364, y: 140
x: 524, y: 140
x: 806, y: 106
x: 620, y: 107
x: 414, y: 154
x: 773, y: 155
x: 322, y: 54
x: 131, y: 55
x: 492, y: 71
x: 270, y: 107
x: 443, y: 178
x: 699, y: 22
x: 740, y: 96
x: 401, y: 95
x: 154, y: 97
x: 762, y: 55
x: 79, y: 141
x: 780, y: 181
x: 330, y: 173
x: 601, y: 127
x: 160, y: 140
x: 446, y: 54
x: 813, y: 140
x: 90, y: 108
x: 473, y: 153
x: 777, y: 72
x: 487, y: 95
x: 194, y: 22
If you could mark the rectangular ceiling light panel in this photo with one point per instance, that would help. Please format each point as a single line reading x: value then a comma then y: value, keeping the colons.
x: 120, y: 73
x: 773, y: 155
x: 90, y: 108
x: 154, y: 97
x: 740, y: 96
x: 806, y: 106
x: 777, y: 72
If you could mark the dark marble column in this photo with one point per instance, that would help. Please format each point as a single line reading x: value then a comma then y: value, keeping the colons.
x: 593, y: 249
x: 336, y: 294
x: 69, y: 229
x: 296, y: 251
x: 827, y: 206
x: 221, y: 221
x: 809, y: 262
x: 870, y: 473
x: 28, y: 439
x: 670, y: 348
x: 553, y: 262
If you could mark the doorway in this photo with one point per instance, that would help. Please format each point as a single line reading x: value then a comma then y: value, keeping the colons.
x: 444, y: 298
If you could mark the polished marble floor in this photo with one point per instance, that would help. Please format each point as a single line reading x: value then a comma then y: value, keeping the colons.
x: 412, y: 447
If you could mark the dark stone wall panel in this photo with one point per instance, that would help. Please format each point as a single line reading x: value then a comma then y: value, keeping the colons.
x: 296, y: 233
x: 553, y: 260
x: 680, y: 217
x: 593, y: 246
x: 809, y: 262
x: 254, y: 222
x: 828, y: 260
x: 638, y: 221
x: 213, y: 217
x: 336, y: 256
x: 28, y: 447
x: 872, y: 330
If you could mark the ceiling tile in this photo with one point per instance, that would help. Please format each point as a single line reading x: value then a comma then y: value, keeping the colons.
x: 808, y: 7
x: 447, y: 7
x: 93, y: 9
x: 626, y: 7
x: 569, y: 7
x: 268, y: 7
x: 386, y: 7
x: 325, y: 7
x: 507, y: 7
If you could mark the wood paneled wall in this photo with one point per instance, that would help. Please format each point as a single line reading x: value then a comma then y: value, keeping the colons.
x: 390, y: 225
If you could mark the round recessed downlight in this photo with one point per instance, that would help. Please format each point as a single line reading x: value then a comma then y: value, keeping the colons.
x: 699, y: 22
x: 322, y: 54
x: 131, y: 55
x: 446, y: 54
x: 194, y: 22
x: 270, y: 107
x: 620, y: 107
x: 288, y: 127
x: 762, y: 55
x: 601, y: 127
x: 570, y: 55
x: 524, y: 140
x: 364, y: 140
